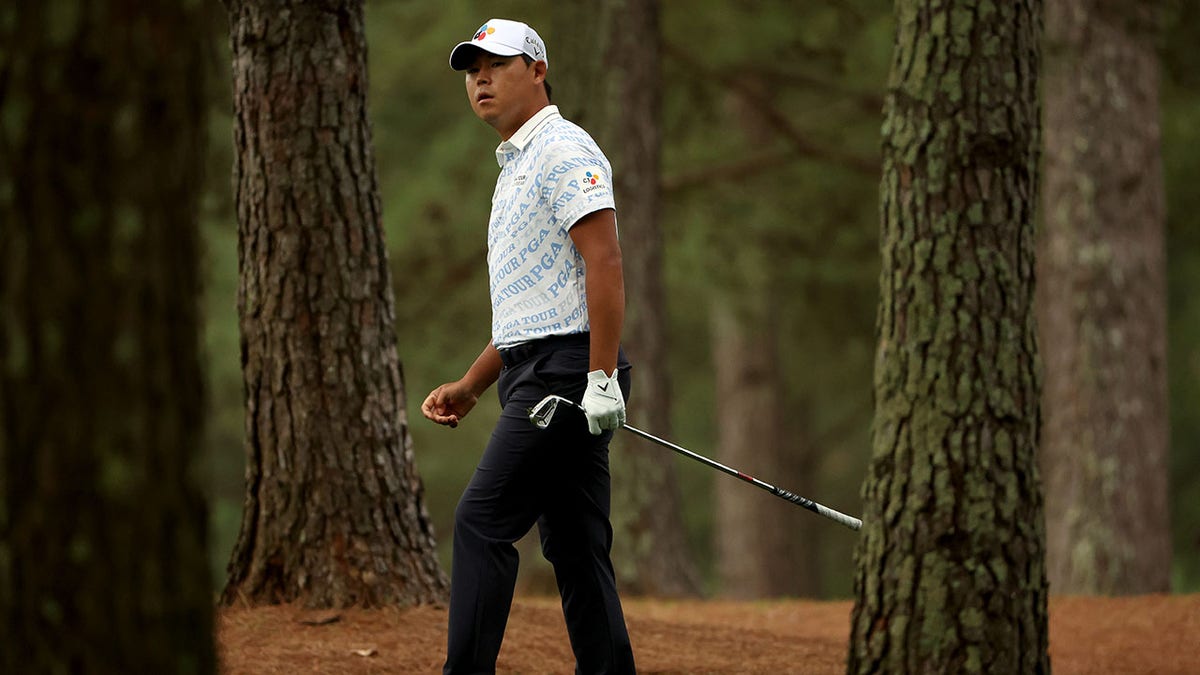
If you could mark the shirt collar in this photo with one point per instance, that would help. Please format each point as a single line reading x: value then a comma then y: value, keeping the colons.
x: 519, y: 140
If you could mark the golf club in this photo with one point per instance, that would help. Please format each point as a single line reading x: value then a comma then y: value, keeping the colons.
x: 541, y: 414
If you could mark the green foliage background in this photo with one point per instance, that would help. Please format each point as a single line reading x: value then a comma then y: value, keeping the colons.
x: 771, y: 111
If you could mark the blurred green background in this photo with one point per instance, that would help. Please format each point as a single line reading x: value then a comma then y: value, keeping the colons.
x: 744, y: 213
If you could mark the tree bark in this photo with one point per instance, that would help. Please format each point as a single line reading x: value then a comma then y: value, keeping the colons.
x: 613, y: 82
x: 1102, y: 302
x: 333, y: 512
x: 102, y: 528
x: 950, y: 563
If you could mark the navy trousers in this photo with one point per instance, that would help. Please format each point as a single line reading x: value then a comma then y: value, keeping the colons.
x: 557, y: 478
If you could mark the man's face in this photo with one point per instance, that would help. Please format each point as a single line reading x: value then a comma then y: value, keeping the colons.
x: 502, y: 88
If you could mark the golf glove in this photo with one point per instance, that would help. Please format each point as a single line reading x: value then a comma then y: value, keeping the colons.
x: 603, y: 403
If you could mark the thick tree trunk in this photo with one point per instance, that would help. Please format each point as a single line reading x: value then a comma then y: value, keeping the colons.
x: 1102, y: 302
x: 951, y: 574
x: 761, y: 542
x: 333, y: 513
x: 614, y: 89
x: 102, y: 529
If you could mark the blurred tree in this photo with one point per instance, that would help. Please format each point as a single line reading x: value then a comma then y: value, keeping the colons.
x: 608, y: 76
x: 1181, y: 137
x: 1102, y: 302
x: 102, y: 528
x: 777, y: 243
x: 950, y: 564
x: 762, y: 549
x: 333, y: 513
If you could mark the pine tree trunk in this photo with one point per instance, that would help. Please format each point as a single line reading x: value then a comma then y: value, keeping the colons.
x: 333, y: 512
x: 763, y: 548
x: 103, y: 561
x: 950, y: 564
x: 761, y: 542
x: 614, y: 88
x: 1102, y: 302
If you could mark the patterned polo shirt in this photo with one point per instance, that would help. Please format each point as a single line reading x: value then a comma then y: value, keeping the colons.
x: 552, y: 174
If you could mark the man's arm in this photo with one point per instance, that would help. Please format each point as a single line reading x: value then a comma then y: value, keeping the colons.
x: 484, y: 372
x: 595, y: 237
x: 451, y: 402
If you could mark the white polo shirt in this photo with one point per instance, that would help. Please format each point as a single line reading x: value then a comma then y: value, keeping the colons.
x: 551, y: 174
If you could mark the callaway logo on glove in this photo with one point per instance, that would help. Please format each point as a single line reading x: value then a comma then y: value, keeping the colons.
x: 603, y: 403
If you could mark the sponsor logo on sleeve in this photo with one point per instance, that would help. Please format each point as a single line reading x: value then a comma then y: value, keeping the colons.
x: 592, y: 180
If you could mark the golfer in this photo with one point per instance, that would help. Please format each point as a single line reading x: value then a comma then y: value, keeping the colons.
x: 558, y: 304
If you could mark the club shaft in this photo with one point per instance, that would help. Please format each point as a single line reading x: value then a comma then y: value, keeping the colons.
x: 820, y: 509
x: 541, y: 414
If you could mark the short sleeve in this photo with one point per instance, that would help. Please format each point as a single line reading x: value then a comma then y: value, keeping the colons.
x: 578, y: 182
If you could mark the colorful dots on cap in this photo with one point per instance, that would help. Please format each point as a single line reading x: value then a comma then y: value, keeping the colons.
x: 484, y: 31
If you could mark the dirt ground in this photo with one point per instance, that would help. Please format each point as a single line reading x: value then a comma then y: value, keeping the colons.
x: 1097, y: 636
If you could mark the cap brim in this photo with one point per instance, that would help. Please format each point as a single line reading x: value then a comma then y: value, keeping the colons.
x: 464, y: 53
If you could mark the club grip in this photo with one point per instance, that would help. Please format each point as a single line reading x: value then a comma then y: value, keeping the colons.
x: 796, y: 499
x: 836, y: 516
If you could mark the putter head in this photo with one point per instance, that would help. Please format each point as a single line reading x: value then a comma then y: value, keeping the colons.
x: 541, y: 414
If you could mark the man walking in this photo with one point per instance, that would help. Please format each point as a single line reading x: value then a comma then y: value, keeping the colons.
x: 558, y: 305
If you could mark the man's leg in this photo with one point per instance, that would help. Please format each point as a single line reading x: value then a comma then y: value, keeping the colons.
x: 498, y: 507
x: 577, y: 539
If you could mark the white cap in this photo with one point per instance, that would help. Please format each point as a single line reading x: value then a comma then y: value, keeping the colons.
x: 501, y: 37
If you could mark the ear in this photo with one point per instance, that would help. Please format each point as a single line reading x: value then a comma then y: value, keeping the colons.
x: 539, y: 72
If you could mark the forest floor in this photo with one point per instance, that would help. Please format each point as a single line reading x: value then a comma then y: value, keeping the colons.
x: 1098, y: 636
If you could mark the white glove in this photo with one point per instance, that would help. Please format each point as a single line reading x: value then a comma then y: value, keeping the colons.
x: 603, y: 403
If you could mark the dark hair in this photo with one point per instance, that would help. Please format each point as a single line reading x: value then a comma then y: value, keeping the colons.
x: 545, y: 83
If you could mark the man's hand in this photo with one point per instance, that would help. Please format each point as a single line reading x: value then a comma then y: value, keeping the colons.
x: 449, y: 403
x: 603, y: 403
